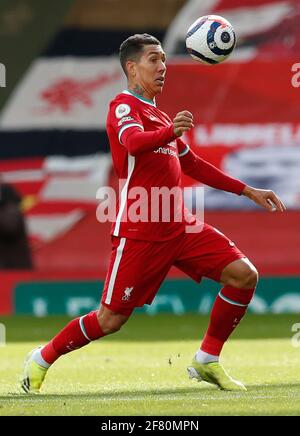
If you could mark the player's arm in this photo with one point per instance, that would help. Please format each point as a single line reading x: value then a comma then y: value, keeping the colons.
x: 206, y: 173
x: 137, y: 141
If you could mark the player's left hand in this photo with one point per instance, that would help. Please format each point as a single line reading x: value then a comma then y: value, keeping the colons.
x: 265, y: 198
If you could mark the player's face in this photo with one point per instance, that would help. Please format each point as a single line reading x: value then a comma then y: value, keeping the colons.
x: 150, y: 70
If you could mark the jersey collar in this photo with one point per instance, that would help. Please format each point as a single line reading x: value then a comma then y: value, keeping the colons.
x: 143, y: 99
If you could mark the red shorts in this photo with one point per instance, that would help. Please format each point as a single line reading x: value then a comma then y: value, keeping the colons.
x: 137, y: 268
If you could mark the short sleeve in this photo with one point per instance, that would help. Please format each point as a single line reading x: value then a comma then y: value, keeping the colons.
x: 123, y: 116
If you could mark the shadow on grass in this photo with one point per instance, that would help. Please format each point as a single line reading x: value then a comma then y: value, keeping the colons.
x: 253, y: 391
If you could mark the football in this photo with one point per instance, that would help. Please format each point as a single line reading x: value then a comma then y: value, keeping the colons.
x: 210, y: 39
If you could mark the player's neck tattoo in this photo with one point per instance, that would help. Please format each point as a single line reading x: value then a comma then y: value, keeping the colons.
x: 137, y: 89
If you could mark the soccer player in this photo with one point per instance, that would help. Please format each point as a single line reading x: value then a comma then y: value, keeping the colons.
x: 147, y: 152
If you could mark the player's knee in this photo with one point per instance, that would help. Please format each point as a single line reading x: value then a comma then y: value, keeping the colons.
x: 111, y: 324
x: 110, y: 328
x: 248, y: 278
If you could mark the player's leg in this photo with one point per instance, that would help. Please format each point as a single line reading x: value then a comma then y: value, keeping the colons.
x: 135, y: 273
x: 239, y: 279
x: 212, y: 254
x: 76, y: 334
x: 80, y: 332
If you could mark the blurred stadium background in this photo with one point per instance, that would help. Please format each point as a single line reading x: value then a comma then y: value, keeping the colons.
x: 61, y: 72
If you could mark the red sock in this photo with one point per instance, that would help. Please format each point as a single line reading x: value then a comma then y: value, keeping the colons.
x: 229, y: 308
x: 79, y: 332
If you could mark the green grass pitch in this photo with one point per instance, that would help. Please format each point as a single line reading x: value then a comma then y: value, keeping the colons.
x: 141, y: 370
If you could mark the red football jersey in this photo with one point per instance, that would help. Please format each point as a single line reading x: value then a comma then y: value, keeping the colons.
x: 156, y: 169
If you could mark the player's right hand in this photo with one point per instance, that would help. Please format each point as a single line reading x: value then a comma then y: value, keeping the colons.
x: 183, y: 122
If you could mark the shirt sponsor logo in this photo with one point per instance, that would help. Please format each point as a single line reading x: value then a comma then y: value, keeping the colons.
x: 165, y: 150
x: 122, y: 110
